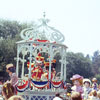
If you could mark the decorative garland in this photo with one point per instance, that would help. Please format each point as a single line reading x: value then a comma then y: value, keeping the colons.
x: 39, y: 84
x: 56, y: 84
x: 23, y: 87
x: 38, y: 40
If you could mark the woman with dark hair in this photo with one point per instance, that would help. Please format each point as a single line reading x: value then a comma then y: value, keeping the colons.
x: 13, y: 77
x: 7, y: 91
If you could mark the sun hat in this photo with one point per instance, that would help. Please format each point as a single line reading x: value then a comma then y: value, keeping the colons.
x: 76, y: 76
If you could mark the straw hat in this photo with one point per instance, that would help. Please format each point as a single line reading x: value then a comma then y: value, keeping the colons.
x: 86, y: 80
x: 9, y: 66
x: 94, y: 80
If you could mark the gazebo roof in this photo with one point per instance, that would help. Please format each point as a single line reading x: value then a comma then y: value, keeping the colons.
x: 42, y: 32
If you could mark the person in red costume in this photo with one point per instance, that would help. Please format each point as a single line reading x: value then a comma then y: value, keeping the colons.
x: 53, y: 72
x: 46, y: 65
x: 37, y: 71
x: 53, y: 66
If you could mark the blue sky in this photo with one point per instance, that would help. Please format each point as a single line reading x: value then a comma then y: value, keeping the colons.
x: 78, y: 20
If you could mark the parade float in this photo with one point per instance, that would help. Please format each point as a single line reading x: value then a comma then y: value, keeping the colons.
x: 36, y: 64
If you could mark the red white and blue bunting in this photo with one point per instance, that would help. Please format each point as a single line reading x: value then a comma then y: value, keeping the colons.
x: 56, y: 84
x: 23, y: 87
x: 40, y: 85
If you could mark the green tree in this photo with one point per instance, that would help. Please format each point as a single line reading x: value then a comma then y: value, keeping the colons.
x: 9, y: 35
x: 12, y: 28
x: 8, y: 52
x: 78, y: 64
x: 96, y: 62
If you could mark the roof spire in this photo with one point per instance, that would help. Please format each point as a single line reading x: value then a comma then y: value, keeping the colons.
x: 44, y: 14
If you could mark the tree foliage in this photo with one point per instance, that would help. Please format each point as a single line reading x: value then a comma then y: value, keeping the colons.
x: 96, y: 62
x: 9, y: 29
x: 9, y: 35
x: 78, y: 64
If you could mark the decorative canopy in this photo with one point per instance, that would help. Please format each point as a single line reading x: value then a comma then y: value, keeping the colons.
x: 45, y: 40
x: 43, y: 32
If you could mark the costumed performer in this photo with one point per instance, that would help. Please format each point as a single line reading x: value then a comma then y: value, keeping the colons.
x: 37, y: 71
x: 53, y: 66
x: 87, y: 88
x: 77, y: 81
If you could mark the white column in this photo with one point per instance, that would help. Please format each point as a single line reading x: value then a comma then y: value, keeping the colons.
x: 65, y: 65
x: 62, y: 63
x: 17, y: 64
x: 30, y: 60
x: 51, y: 55
x: 23, y: 61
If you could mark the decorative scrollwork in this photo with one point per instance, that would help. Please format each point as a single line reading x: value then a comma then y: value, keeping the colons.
x: 56, y: 36
x: 43, y: 31
x: 26, y: 33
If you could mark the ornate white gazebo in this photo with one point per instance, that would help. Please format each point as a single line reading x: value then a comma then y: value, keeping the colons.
x: 43, y: 39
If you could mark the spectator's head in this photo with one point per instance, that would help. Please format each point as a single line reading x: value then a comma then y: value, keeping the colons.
x: 16, y: 97
x: 98, y: 95
x: 10, y: 68
x: 57, y: 94
x: 68, y: 84
x: 94, y: 80
x: 94, y: 93
x: 77, y: 79
x: 7, y: 90
x: 76, y: 96
x: 86, y: 82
